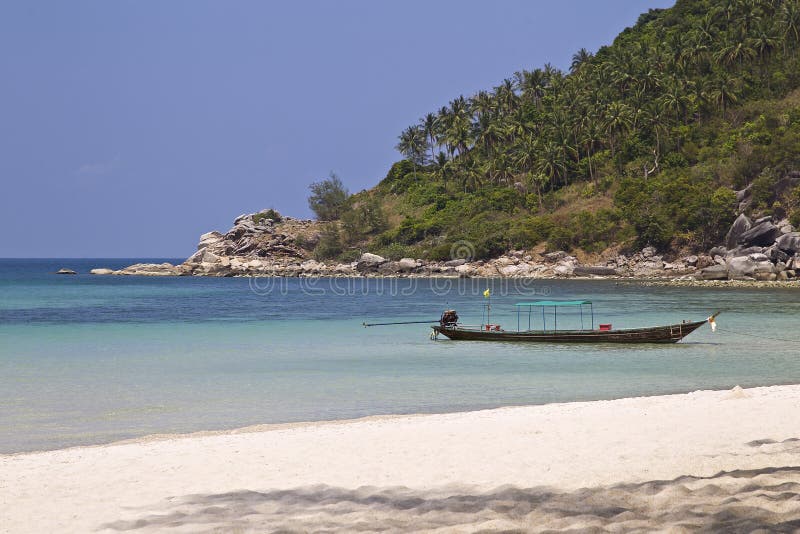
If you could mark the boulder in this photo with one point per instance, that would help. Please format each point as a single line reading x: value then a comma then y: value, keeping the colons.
x: 740, y: 267
x: 586, y: 270
x: 406, y: 265
x: 563, y: 269
x: 152, y: 269
x: 761, y: 234
x: 509, y: 270
x: 743, y: 251
x: 704, y: 261
x: 758, y: 257
x: 775, y: 254
x: 65, y: 271
x: 456, y: 262
x: 691, y: 260
x: 648, y: 252
x: 717, y: 251
x: 369, y: 262
x: 789, y: 243
x: 312, y: 266
x: 553, y: 257
x: 209, y: 257
x: 101, y: 270
x: 715, y: 272
x: 209, y: 239
x: 741, y: 225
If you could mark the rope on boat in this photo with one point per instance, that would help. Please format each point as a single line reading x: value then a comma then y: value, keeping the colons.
x: 757, y: 336
x: 400, y: 322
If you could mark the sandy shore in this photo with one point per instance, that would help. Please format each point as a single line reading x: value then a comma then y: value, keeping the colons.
x: 710, y: 460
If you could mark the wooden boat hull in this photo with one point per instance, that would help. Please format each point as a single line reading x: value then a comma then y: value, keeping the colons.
x: 656, y: 334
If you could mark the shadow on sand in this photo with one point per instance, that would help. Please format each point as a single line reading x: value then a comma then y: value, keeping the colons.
x: 731, y: 501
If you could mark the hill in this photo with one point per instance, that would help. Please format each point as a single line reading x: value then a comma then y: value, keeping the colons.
x: 690, y: 118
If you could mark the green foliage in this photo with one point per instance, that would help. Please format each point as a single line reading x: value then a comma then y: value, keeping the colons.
x: 687, y: 105
x: 268, y: 214
x: 328, y: 198
x: 763, y: 189
x: 396, y: 251
x: 363, y: 219
x: 330, y: 243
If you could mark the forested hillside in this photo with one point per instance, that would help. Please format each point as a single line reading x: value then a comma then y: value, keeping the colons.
x: 643, y: 142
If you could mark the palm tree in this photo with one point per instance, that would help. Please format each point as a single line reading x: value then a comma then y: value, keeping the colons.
x: 734, y: 51
x: 550, y: 161
x: 724, y: 89
x: 790, y: 21
x: 617, y: 120
x: 413, y: 146
x: 580, y: 58
x: 430, y: 127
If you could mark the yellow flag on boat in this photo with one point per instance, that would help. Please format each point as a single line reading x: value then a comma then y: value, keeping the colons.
x: 487, y: 293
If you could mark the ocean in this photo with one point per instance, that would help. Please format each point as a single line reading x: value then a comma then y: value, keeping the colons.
x: 92, y: 359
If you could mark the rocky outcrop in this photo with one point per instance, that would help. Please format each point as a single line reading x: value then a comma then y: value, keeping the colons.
x: 266, y: 244
x: 65, y: 271
x: 767, y: 251
x: 763, y: 233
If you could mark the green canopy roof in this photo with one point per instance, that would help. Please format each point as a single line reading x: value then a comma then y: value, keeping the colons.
x: 555, y: 303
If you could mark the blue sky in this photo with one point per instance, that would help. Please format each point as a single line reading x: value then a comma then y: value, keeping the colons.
x: 130, y: 128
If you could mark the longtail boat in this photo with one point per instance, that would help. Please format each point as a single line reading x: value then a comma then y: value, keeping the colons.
x: 450, y: 327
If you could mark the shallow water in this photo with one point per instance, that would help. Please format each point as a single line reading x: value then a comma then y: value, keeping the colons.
x: 91, y: 359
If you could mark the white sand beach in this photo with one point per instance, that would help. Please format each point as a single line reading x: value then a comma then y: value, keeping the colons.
x: 708, y: 460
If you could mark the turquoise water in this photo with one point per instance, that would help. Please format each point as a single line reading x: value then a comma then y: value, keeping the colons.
x: 92, y: 359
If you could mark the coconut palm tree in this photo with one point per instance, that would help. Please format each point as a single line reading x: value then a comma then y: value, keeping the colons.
x: 413, y: 145
x: 580, y: 58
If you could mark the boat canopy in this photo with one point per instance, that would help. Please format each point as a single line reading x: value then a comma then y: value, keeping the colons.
x: 554, y: 303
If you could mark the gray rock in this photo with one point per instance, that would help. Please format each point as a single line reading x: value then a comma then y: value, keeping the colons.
x: 775, y: 254
x: 741, y: 225
x: 648, y: 252
x: 741, y: 266
x: 768, y: 218
x: 704, y: 261
x: 369, y: 262
x: 789, y: 242
x: 209, y: 239
x: 691, y: 260
x: 101, y: 270
x: 715, y: 272
x: 762, y: 234
x: 65, y: 271
x: 758, y: 257
x: 553, y: 257
x: 587, y: 270
x: 563, y: 269
x: 717, y: 251
x: 743, y: 251
x: 456, y: 262
x: 407, y: 264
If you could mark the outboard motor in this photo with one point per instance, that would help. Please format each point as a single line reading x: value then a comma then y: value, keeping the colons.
x: 449, y: 319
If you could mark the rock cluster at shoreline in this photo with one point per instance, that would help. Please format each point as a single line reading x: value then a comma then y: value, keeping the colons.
x: 761, y: 250
x: 266, y: 244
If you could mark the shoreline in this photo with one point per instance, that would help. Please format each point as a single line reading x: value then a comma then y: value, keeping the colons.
x: 560, y: 447
x: 377, y: 418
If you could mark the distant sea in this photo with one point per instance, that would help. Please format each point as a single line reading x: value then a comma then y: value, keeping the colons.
x: 92, y: 359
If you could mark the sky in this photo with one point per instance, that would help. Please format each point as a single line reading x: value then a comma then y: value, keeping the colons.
x: 129, y: 128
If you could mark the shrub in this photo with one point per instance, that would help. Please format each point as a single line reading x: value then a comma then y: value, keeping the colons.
x: 330, y: 243
x: 328, y: 198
